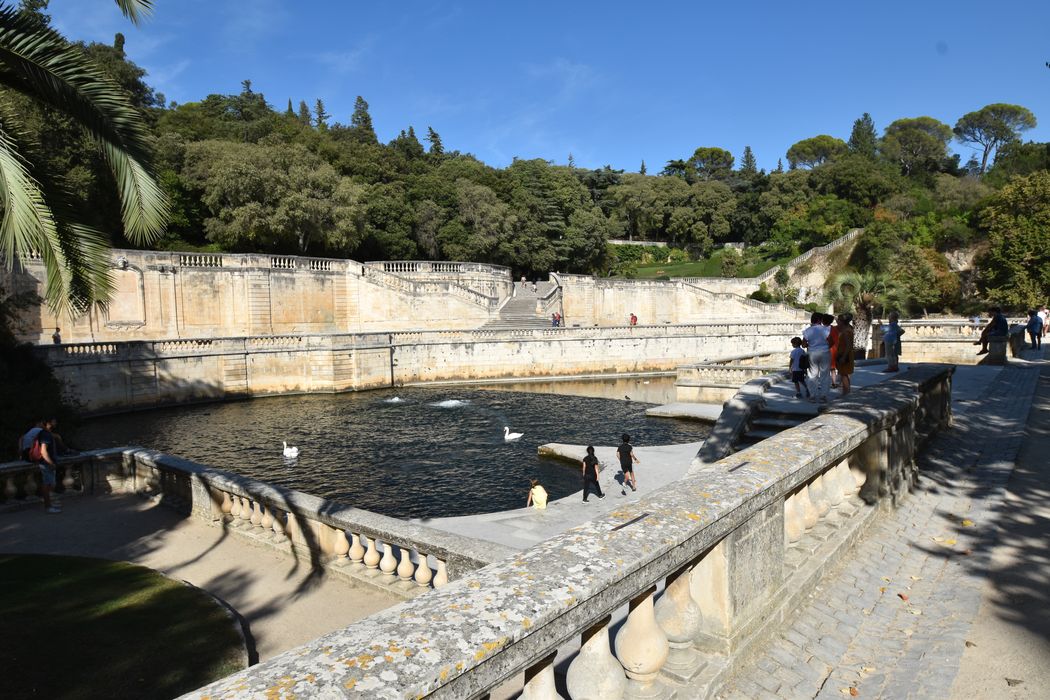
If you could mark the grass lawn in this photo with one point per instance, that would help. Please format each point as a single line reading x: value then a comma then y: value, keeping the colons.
x: 76, y: 628
x: 708, y: 267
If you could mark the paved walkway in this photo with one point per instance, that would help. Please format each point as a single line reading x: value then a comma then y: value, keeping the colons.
x: 895, y: 620
x: 284, y: 603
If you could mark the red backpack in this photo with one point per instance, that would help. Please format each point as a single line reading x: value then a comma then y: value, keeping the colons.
x: 35, y: 452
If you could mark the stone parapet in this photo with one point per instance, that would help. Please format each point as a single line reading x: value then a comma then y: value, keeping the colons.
x: 706, y: 566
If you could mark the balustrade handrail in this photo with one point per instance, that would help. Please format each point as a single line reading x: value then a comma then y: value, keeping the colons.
x: 440, y: 267
x: 478, y: 632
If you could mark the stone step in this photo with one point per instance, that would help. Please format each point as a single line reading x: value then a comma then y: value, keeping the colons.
x: 764, y: 420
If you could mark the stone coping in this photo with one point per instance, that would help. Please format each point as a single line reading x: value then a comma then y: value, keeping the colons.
x: 469, y: 636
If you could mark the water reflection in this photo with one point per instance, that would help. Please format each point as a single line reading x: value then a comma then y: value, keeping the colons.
x: 410, y: 452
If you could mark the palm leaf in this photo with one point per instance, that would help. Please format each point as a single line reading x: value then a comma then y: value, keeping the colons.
x: 135, y: 10
x: 36, y: 221
x: 42, y: 65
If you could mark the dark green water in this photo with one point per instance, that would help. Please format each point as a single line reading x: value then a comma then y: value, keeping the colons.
x: 433, y: 452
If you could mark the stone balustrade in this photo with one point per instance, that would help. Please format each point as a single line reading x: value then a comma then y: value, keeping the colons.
x: 716, y: 381
x: 950, y: 340
x: 706, y: 567
x: 76, y: 475
x: 106, y: 377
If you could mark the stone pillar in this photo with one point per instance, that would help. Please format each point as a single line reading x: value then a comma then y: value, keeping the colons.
x: 680, y: 618
x: 595, y: 674
x: 642, y: 648
x: 357, y: 550
x: 539, y: 681
x: 810, y: 516
x: 405, y: 567
x: 793, y: 526
x: 372, y: 557
x: 870, y: 460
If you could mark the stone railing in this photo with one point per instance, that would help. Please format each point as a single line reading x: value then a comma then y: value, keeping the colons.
x: 707, y: 567
x: 76, y: 475
x: 404, y: 285
x: 715, y: 381
x: 440, y: 268
x: 950, y: 340
x: 389, y: 553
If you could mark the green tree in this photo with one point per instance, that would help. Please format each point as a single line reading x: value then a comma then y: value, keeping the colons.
x: 811, y: 152
x: 1016, y: 269
x: 865, y: 293
x: 304, y: 116
x: 321, y: 115
x: 1016, y: 158
x: 711, y: 163
x: 748, y: 164
x: 918, y: 145
x: 863, y: 139
x: 436, y: 147
x: 361, y: 122
x: 39, y: 67
x: 641, y: 170
x: 993, y: 125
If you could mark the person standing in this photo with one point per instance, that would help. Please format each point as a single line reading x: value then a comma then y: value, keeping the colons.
x: 590, y: 475
x: 26, y: 441
x: 798, y: 365
x: 1035, y: 328
x: 815, y: 339
x: 844, y: 352
x: 833, y: 339
x: 891, y: 338
x: 627, y: 461
x: 48, y: 467
x: 56, y: 337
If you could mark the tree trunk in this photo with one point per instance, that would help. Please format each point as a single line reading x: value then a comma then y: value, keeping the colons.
x: 861, y: 328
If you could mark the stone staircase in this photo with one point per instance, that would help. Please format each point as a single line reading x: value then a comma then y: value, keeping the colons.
x: 520, y: 310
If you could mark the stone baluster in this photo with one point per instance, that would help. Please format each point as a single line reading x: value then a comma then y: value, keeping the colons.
x: 388, y: 564
x: 371, y: 558
x: 257, y: 515
x: 30, y: 485
x: 810, y: 517
x: 227, y: 506
x: 357, y: 550
x: 793, y: 526
x: 441, y: 577
x: 642, y: 648
x: 246, y: 511
x: 423, y: 573
x: 832, y: 487
x: 280, y: 533
x: 67, y: 478
x: 405, y: 568
x: 681, y: 620
x: 539, y: 681
x: 267, y: 518
x: 10, y: 490
x: 235, y: 512
x: 819, y: 497
x: 595, y: 674
x: 340, y: 547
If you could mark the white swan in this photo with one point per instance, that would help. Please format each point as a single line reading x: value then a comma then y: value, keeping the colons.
x: 290, y: 451
x: 509, y: 436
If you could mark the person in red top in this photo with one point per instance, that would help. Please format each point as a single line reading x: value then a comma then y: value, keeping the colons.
x: 833, y: 339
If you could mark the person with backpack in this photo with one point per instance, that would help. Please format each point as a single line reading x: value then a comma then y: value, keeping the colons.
x: 42, y: 452
x: 798, y: 366
x: 26, y: 441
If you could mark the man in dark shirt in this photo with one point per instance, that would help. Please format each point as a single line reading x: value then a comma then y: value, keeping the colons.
x: 590, y: 475
x: 627, y: 462
x: 998, y: 327
x: 47, y: 465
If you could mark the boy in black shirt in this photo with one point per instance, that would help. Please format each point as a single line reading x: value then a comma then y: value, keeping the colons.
x: 627, y: 462
x: 590, y: 475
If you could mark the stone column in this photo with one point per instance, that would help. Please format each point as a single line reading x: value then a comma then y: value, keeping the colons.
x: 539, y: 681
x: 595, y: 674
x: 793, y: 526
x: 642, y: 648
x: 680, y: 618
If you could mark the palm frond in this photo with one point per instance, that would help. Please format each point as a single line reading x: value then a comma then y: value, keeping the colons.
x: 42, y: 65
x: 75, y: 257
x: 135, y: 10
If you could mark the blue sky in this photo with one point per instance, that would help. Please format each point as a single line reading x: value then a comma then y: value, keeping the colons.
x: 611, y: 82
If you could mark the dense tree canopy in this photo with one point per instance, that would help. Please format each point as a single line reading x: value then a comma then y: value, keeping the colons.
x: 244, y: 176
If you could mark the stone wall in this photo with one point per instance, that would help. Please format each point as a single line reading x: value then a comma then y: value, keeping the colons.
x: 189, y: 295
x: 108, y: 377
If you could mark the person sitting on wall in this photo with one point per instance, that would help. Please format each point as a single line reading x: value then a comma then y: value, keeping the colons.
x: 56, y: 337
x: 998, y: 327
x: 537, y: 496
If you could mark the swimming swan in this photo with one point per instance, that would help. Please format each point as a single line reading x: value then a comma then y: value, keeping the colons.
x: 509, y: 436
x: 290, y: 451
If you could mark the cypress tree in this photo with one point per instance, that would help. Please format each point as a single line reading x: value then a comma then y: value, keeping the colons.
x: 641, y: 170
x: 863, y: 140
x: 320, y: 115
x: 436, y: 147
x: 361, y: 122
x: 748, y: 165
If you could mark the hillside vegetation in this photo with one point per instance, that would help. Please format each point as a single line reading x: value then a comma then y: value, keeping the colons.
x: 248, y: 172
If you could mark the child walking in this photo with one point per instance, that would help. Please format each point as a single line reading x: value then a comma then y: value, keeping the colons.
x: 799, y: 365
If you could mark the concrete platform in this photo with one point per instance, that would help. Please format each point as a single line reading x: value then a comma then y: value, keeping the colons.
x: 708, y: 412
x: 524, y: 527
